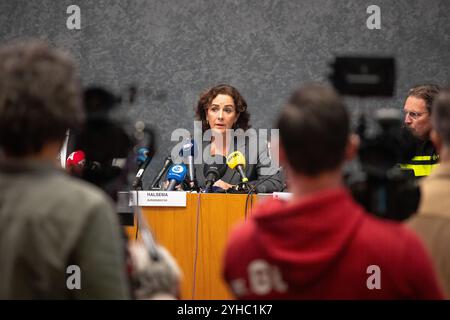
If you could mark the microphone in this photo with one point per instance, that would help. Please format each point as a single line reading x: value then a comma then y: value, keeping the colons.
x: 214, y: 171
x: 75, y: 159
x: 165, y: 167
x: 143, y: 154
x: 76, y: 163
x: 236, y: 160
x: 176, y: 175
x: 188, y: 151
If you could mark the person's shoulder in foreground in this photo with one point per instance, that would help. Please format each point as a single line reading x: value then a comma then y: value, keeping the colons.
x: 51, y: 225
x: 432, y: 221
x: 326, y: 247
x: 321, y: 244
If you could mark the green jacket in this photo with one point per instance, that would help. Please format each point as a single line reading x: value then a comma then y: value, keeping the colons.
x: 48, y: 222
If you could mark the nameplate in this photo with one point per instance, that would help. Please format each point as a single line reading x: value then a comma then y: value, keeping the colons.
x: 282, y: 195
x: 158, y: 198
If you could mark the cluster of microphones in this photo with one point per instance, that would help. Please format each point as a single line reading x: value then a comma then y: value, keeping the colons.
x: 180, y: 174
x: 184, y: 173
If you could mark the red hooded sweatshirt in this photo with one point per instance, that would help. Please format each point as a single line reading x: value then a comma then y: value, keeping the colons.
x: 325, y: 246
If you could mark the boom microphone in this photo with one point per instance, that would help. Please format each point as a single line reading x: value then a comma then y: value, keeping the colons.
x: 165, y: 167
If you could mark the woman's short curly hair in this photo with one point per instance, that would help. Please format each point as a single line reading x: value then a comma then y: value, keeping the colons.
x: 208, y: 96
x: 40, y: 97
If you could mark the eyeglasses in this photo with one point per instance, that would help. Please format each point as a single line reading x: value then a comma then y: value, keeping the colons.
x: 413, y: 115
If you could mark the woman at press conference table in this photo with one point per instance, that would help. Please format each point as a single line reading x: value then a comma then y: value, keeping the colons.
x: 223, y: 111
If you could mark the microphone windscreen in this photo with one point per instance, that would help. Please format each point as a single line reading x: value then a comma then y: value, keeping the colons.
x: 235, y: 158
x: 177, y: 172
x: 142, y: 155
x: 189, y: 149
x: 217, y: 167
x: 76, y: 158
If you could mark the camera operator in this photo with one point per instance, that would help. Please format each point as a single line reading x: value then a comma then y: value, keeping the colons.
x: 105, y: 163
x: 152, y: 271
x: 377, y: 181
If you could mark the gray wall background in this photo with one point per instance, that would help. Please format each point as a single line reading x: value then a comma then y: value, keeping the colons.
x: 174, y: 49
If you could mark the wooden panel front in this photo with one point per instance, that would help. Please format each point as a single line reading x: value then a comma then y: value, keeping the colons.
x: 176, y: 229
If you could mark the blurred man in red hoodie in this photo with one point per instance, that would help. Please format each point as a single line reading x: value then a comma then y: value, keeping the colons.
x: 321, y: 244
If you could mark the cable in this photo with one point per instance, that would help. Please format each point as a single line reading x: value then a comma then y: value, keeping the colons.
x: 252, y: 190
x: 137, y: 219
x: 135, y: 213
x: 251, y: 204
x: 196, y: 246
x: 146, y: 234
x: 246, y: 206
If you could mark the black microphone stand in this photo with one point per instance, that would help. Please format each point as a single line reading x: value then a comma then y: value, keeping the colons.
x: 137, y: 183
x: 157, y: 179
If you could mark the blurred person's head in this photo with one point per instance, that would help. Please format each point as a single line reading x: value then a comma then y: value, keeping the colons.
x: 39, y: 100
x: 158, y: 280
x: 440, y: 135
x: 99, y: 101
x: 315, y: 137
x: 222, y: 107
x: 417, y: 109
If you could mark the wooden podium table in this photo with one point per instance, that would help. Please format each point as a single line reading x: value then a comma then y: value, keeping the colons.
x: 196, y: 236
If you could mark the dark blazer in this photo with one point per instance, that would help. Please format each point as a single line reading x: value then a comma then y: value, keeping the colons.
x: 259, y: 170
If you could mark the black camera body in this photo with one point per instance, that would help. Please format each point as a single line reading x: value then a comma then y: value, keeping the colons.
x: 105, y: 143
x: 378, y: 183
